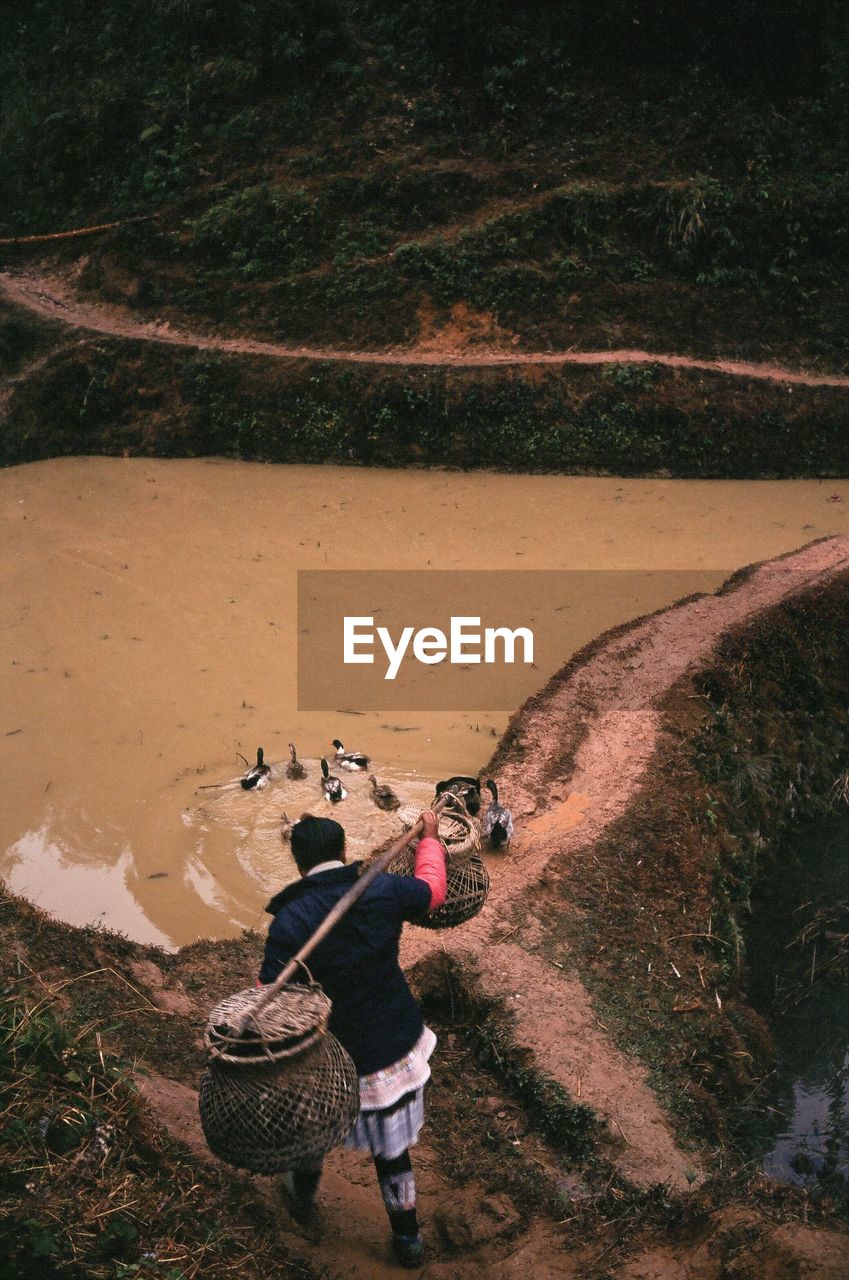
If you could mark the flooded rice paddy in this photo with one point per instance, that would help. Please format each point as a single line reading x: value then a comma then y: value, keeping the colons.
x: 149, y: 636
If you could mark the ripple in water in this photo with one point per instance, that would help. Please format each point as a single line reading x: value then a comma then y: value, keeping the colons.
x: 252, y: 819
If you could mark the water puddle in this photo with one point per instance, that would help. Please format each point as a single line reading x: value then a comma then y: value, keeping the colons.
x: 799, y: 961
x: 149, y: 635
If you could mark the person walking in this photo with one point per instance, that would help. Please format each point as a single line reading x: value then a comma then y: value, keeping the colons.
x: 374, y: 1013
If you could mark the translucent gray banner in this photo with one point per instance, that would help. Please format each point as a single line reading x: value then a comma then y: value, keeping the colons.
x: 378, y: 640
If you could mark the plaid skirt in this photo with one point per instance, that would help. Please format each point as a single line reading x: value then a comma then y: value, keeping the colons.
x: 390, y: 1132
x: 392, y: 1103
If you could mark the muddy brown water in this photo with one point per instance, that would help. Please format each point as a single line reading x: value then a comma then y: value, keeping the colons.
x: 149, y: 635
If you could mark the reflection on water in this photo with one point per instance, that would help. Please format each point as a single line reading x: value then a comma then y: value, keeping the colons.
x: 814, y: 1142
x: 235, y: 858
x: 99, y: 892
x: 149, y: 634
x: 798, y: 971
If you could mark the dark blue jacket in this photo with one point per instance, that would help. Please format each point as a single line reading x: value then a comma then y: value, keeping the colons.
x: 374, y: 1013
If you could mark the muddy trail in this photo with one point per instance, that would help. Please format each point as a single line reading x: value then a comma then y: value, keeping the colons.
x: 572, y: 760
x: 472, y: 1232
x: 52, y: 299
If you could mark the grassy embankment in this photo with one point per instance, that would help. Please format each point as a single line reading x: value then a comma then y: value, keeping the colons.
x: 749, y: 746
x: 512, y: 175
x: 91, y: 1186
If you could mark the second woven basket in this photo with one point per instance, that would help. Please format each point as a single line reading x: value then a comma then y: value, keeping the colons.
x: 468, y: 879
x: 282, y: 1092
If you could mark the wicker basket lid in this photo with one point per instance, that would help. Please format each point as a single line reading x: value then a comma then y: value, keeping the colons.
x: 457, y: 831
x: 288, y: 1024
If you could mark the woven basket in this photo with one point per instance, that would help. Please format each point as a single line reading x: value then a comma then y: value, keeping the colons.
x: 466, y: 891
x: 283, y: 1115
x: 281, y: 1093
x: 292, y: 1021
x: 457, y: 831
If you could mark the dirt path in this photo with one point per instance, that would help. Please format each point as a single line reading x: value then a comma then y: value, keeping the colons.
x: 606, y: 712
x: 470, y: 1232
x: 52, y: 299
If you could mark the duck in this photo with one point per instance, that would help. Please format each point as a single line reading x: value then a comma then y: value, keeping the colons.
x: 468, y: 789
x: 497, y: 821
x: 332, y: 787
x: 384, y: 797
x: 286, y: 825
x: 353, y: 761
x: 256, y: 777
x: 294, y: 769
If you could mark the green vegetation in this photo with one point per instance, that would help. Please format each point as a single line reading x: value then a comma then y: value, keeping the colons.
x: 116, y: 396
x: 133, y: 100
x: 578, y: 174
x: 771, y: 750
x: 510, y: 175
x: 124, y: 102
x: 91, y: 1188
x: 87, y: 1188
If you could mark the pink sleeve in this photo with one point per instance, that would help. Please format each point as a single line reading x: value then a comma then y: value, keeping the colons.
x: 430, y: 867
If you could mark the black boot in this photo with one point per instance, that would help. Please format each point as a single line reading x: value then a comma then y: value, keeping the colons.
x: 297, y: 1190
x: 409, y: 1250
x: 398, y: 1188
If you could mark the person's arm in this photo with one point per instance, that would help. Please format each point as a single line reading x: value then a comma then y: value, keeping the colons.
x: 430, y: 860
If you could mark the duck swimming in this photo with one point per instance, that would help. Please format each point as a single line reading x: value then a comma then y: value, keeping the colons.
x: 256, y: 777
x: 294, y: 769
x: 350, y: 760
x: 468, y: 789
x: 332, y: 787
x: 497, y: 821
x: 286, y: 825
x: 384, y: 797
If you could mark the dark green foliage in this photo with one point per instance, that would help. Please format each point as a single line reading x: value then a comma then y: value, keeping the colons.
x: 18, y: 342
x: 701, y: 231
x: 365, y: 175
x: 766, y: 751
x: 564, y: 264
x: 515, y: 57
x: 257, y: 230
x: 113, y: 397
x: 113, y: 103
x: 123, y: 103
